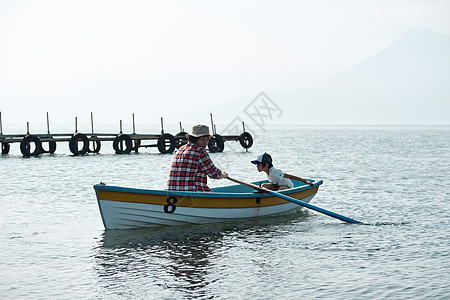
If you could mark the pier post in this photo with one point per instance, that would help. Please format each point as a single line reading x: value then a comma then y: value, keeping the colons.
x: 96, y: 144
x: 76, y: 124
x: 1, y: 126
x: 48, y: 124
x: 134, y: 126
x: 243, y: 127
x: 92, y: 122
x: 213, y: 128
x: 162, y: 126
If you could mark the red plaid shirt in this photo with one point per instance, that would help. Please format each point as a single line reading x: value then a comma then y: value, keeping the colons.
x: 189, y: 168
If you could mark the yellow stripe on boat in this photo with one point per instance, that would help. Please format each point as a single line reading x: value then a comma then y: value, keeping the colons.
x: 202, y: 202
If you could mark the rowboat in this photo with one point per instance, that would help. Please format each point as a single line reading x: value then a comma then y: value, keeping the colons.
x: 127, y: 208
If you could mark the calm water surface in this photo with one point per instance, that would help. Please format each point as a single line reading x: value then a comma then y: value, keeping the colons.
x: 53, y: 244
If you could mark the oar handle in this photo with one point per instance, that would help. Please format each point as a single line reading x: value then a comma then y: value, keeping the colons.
x: 250, y: 185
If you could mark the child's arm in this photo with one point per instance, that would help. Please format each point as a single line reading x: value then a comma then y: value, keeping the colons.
x: 298, y: 179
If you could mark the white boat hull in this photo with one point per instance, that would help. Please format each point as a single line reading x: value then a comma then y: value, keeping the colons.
x: 125, y: 208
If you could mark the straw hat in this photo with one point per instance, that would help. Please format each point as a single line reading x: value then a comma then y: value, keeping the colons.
x: 198, y: 131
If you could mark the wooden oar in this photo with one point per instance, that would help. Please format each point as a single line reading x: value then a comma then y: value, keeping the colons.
x: 296, y: 201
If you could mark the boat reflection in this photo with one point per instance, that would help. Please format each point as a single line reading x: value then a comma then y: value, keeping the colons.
x: 174, y: 261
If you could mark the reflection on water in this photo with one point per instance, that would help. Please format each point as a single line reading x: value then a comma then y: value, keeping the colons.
x: 168, y: 258
x: 170, y: 261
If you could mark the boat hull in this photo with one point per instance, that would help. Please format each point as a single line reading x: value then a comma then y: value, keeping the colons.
x: 125, y: 208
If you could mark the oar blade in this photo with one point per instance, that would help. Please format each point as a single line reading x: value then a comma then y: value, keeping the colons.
x: 316, y: 208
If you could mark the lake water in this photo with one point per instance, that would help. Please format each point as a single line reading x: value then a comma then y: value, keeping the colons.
x: 53, y: 244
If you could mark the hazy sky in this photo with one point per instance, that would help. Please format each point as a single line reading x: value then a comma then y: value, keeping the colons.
x: 49, y: 49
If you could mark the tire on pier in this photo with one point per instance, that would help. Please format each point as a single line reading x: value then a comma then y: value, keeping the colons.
x: 216, y: 143
x: 73, y: 144
x: 120, y: 141
x: 26, y: 146
x: 51, y: 146
x: 5, y: 148
x: 96, y: 145
x: 166, y: 143
x: 180, y: 139
x: 246, y: 140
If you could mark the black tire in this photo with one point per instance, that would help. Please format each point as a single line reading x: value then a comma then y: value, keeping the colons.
x: 246, y: 140
x: 5, y: 148
x: 96, y: 146
x: 216, y: 144
x: 51, y: 146
x: 73, y: 144
x: 180, y: 139
x: 166, y: 140
x: 25, y: 145
x: 119, y: 142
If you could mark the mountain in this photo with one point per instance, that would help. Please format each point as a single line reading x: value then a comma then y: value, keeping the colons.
x: 408, y: 83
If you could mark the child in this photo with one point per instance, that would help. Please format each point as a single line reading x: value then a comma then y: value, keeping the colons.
x: 278, y: 179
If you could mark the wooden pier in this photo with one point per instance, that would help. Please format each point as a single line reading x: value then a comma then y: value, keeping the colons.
x: 123, y: 143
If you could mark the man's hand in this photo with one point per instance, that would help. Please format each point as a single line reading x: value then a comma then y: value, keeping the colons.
x: 223, y: 175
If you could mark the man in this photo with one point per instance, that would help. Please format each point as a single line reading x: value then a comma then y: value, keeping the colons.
x: 192, y: 164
